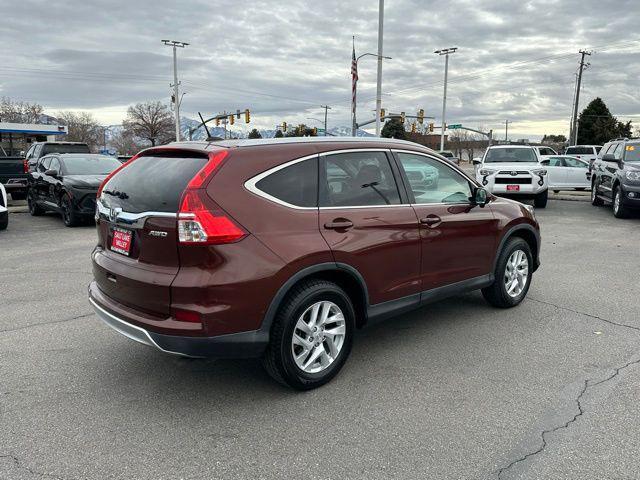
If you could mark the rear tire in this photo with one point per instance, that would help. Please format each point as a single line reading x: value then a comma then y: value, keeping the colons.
x: 4, y: 220
x: 498, y: 293
x: 69, y: 216
x: 541, y: 199
x: 619, y: 209
x: 595, y: 200
x: 34, y: 209
x: 286, y: 355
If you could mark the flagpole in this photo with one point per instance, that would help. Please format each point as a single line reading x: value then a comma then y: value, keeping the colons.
x: 354, y: 125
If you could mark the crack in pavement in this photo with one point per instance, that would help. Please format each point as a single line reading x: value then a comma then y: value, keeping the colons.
x: 611, y: 322
x: 46, y: 323
x: 585, y: 387
x: 19, y: 464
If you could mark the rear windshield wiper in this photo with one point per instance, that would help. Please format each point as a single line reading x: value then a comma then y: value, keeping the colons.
x: 115, y: 193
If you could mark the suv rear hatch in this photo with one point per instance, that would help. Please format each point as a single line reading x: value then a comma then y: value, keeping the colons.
x: 137, y: 257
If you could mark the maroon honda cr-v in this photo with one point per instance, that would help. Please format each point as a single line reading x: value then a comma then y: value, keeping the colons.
x: 280, y: 249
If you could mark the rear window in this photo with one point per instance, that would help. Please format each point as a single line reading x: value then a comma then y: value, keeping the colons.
x: 64, y: 148
x: 151, y: 184
x: 579, y: 151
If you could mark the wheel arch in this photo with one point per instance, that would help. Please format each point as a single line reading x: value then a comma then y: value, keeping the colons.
x: 529, y: 234
x: 345, y: 276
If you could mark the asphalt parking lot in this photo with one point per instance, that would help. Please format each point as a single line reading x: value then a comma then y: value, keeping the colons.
x: 456, y: 390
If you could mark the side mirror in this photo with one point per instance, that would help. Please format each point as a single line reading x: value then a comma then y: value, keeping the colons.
x: 22, y: 153
x: 545, y: 162
x: 608, y: 157
x: 480, y: 197
x: 51, y: 173
x: 477, y: 161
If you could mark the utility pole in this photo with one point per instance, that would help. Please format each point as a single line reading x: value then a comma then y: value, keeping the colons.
x: 379, y: 81
x: 577, y: 100
x: 506, y: 130
x: 326, y: 107
x: 445, y: 52
x: 176, y: 96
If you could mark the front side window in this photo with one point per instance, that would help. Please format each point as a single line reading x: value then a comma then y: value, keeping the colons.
x: 357, y: 179
x: 43, y: 166
x: 295, y: 185
x: 575, y: 163
x: 431, y: 181
x: 54, y: 165
x: 555, y: 162
x: 617, y: 153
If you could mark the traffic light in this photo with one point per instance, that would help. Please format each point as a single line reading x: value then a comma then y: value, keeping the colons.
x: 431, y: 127
x: 315, y: 131
x: 247, y: 116
x: 217, y: 122
x: 402, y: 117
x: 382, y: 112
x: 413, y: 127
x: 232, y: 119
x: 284, y: 126
x: 421, y: 116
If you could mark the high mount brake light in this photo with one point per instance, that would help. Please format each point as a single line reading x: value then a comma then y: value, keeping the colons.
x: 198, y: 224
x: 104, y: 182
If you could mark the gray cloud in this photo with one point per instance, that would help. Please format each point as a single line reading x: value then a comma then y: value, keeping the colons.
x: 284, y: 59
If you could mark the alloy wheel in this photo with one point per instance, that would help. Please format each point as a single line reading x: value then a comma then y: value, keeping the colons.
x: 516, y: 273
x: 318, y: 337
x: 616, y: 201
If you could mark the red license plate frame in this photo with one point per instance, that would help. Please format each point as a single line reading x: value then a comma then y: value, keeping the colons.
x: 513, y: 188
x: 121, y: 241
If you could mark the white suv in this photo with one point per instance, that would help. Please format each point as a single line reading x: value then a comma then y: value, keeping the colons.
x: 514, y: 170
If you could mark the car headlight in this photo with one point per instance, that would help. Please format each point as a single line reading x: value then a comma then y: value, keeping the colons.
x: 634, y: 176
x: 540, y: 172
x: 486, y: 172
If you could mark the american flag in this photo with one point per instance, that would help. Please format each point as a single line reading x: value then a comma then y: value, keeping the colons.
x: 354, y: 80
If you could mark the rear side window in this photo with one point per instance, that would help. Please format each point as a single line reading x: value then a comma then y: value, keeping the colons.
x: 295, y: 185
x: 151, y: 184
x: 357, y: 179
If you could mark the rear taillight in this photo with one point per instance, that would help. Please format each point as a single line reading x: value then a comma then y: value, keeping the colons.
x: 199, y: 224
x: 25, y: 165
x: 104, y: 182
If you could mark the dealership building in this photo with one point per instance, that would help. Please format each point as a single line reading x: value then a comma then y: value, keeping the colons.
x: 18, y: 137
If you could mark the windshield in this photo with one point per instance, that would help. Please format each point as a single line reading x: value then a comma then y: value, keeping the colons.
x: 93, y: 165
x: 64, y: 148
x: 632, y: 153
x: 504, y: 155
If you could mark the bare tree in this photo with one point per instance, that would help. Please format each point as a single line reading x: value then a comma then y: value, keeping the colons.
x: 150, y: 121
x: 82, y: 126
x: 125, y: 143
x: 19, y: 112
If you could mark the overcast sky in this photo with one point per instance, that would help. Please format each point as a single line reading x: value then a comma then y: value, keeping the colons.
x: 282, y: 59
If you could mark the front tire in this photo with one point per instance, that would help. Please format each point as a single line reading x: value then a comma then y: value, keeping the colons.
x: 69, y: 215
x: 541, y: 199
x: 512, y: 275
x: 4, y: 220
x: 619, y: 210
x: 311, y: 336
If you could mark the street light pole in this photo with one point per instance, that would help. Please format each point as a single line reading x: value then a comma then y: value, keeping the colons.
x: 445, y: 52
x: 380, y: 53
x: 176, y: 95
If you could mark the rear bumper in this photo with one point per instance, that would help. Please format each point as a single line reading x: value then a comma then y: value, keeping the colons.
x: 235, y: 345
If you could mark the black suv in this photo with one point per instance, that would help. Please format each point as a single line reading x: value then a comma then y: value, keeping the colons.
x: 616, y: 176
x: 40, y: 149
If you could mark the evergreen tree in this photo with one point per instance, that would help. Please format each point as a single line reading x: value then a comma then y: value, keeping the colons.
x: 278, y: 134
x: 255, y: 133
x: 394, y: 129
x: 596, y: 125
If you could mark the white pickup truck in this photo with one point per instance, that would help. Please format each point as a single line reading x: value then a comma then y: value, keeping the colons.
x: 514, y: 170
